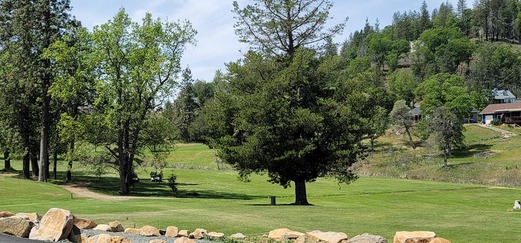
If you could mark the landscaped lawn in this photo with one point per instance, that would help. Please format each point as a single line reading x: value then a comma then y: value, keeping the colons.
x: 217, y: 201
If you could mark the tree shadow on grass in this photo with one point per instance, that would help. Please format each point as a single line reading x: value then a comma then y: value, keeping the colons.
x: 471, y: 150
x: 144, y: 188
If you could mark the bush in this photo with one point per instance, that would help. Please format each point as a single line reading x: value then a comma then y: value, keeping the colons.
x: 172, y: 183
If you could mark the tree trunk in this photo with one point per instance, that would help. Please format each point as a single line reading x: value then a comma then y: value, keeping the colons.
x: 445, y: 155
x: 372, y: 143
x: 34, y: 162
x: 410, y: 137
x: 25, y: 165
x: 46, y: 100
x: 55, y: 163
x: 7, y: 160
x: 301, y: 197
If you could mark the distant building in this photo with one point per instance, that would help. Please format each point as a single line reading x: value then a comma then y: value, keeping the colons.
x: 502, y: 96
x: 508, y: 113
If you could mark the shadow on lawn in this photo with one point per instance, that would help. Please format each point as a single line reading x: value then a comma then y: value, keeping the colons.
x: 145, y: 188
x: 471, y: 150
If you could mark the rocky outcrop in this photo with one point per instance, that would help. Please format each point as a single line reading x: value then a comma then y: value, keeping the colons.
x: 367, y: 238
x: 284, y: 234
x: 148, y: 231
x: 329, y: 237
x: 55, y: 225
x: 16, y: 226
x: 414, y: 237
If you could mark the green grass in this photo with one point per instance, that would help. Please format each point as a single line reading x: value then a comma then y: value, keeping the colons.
x: 459, y: 212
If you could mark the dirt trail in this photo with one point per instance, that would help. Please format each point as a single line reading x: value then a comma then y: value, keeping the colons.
x: 504, y: 133
x: 81, y: 191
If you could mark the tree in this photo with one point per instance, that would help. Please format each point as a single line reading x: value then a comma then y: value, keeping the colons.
x: 447, y: 129
x: 401, y: 117
x: 138, y: 65
x: 284, y: 115
x: 281, y: 27
x: 184, y: 107
x: 402, y: 84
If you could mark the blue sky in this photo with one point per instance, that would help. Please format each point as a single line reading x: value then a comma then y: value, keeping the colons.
x: 213, y: 19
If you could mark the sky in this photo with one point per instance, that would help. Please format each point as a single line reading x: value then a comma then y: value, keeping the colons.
x: 217, y: 43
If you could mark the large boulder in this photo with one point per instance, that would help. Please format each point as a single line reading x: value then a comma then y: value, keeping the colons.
x: 184, y: 233
x: 17, y: 226
x: 284, y: 234
x: 55, y: 225
x: 133, y: 231
x: 413, y: 236
x: 106, y: 238
x: 5, y: 214
x: 329, y: 237
x: 184, y: 240
x: 75, y: 235
x: 171, y: 231
x: 238, y: 236
x: 439, y: 240
x: 367, y: 238
x: 199, y: 233
x: 215, y: 235
x: 83, y: 223
x: 30, y: 216
x: 148, y: 231
x: 116, y: 226
x: 103, y: 227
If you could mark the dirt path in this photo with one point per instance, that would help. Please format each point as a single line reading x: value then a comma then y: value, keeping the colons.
x: 504, y: 133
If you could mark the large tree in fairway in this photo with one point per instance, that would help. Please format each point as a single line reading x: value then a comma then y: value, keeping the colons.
x: 286, y: 118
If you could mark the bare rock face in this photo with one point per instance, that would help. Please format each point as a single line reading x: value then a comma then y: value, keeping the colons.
x: 83, y: 223
x: 103, y: 227
x: 199, y: 233
x: 238, y: 236
x: 284, y: 234
x: 5, y: 214
x: 413, y: 236
x: 75, y: 235
x: 184, y: 233
x: 116, y: 226
x: 184, y: 240
x: 367, y: 238
x: 171, y: 231
x: 148, y: 231
x: 330, y: 237
x: 55, y: 225
x: 17, y: 226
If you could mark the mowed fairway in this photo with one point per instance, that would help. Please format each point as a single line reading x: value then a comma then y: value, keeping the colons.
x: 459, y: 212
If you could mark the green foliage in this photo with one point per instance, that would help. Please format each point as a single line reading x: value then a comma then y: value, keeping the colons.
x: 401, y: 117
x: 402, y: 84
x: 447, y: 128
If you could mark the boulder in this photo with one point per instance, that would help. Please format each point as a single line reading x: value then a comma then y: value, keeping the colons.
x: 101, y: 238
x: 367, y: 238
x: 413, y: 236
x: 284, y: 234
x: 184, y: 240
x: 301, y: 239
x: 156, y: 241
x: 439, y: 240
x: 199, y: 234
x: 103, y: 227
x: 238, y: 236
x: 83, y: 223
x: 17, y: 226
x: 215, y: 236
x: 119, y: 239
x: 133, y: 231
x: 116, y: 226
x: 55, y: 225
x: 5, y: 214
x: 184, y: 233
x: 330, y: 237
x: 171, y: 231
x: 148, y: 231
x: 31, y: 216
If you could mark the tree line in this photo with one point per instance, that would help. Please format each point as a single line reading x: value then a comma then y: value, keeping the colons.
x: 296, y: 105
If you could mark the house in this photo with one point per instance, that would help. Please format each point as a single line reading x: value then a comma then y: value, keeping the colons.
x: 502, y: 96
x: 509, y: 113
x: 472, y: 118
